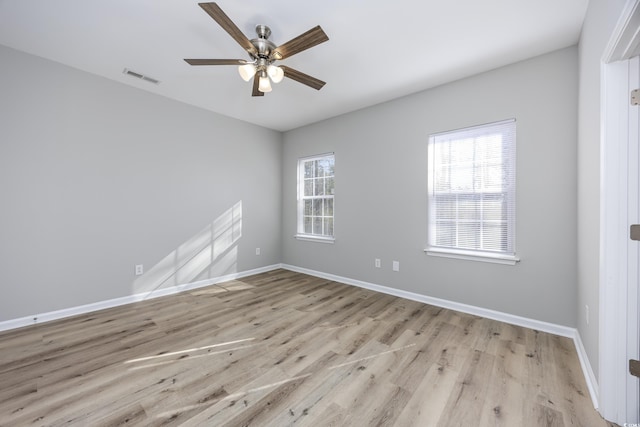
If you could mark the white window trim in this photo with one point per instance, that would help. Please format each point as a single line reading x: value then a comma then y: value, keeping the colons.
x: 472, y: 255
x: 312, y: 238
x: 299, y: 218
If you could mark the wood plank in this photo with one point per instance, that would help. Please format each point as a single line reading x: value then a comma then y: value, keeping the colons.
x: 503, y: 406
x: 466, y: 399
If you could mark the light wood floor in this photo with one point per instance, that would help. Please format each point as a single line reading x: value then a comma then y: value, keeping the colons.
x: 282, y: 349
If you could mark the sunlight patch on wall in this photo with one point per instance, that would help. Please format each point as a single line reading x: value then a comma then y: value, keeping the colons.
x: 212, y: 252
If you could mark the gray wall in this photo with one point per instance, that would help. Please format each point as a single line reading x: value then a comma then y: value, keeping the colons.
x: 600, y: 20
x: 381, y: 201
x: 96, y: 176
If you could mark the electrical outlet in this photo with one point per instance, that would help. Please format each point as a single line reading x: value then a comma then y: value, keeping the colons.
x: 139, y: 269
x: 377, y: 263
x: 586, y: 313
x: 257, y: 251
x: 396, y: 265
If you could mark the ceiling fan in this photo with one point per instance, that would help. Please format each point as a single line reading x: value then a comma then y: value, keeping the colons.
x: 264, y: 53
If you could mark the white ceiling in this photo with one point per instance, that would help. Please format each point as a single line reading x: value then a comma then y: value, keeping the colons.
x: 377, y: 50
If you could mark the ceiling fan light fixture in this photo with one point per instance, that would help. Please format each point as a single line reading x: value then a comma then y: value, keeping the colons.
x: 264, y: 85
x: 276, y: 73
x: 247, y: 71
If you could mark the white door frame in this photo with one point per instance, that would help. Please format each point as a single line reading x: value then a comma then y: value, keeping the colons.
x: 618, y: 391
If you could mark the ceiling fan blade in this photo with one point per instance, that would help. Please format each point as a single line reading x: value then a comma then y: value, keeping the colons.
x: 215, y: 61
x: 256, y: 82
x: 303, y: 78
x: 227, y: 24
x: 304, y: 41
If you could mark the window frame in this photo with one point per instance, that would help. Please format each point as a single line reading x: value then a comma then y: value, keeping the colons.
x: 300, y: 202
x: 506, y: 256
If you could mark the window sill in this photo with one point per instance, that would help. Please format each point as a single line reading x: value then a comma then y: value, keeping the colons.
x: 319, y: 239
x: 473, y: 256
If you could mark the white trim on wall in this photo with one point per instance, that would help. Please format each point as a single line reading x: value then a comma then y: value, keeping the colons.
x: 101, y: 305
x: 612, y: 255
x: 633, y: 248
x: 624, y: 41
x: 587, y: 371
x: 618, y: 340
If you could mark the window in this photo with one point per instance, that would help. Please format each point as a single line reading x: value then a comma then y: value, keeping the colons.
x: 315, y: 197
x: 472, y: 193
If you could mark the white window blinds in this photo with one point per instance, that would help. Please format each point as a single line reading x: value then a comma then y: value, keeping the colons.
x: 472, y: 190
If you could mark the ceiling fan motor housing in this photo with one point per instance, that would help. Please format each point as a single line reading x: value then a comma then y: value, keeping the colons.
x: 263, y: 45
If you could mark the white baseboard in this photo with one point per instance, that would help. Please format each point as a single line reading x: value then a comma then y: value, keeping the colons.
x: 589, y: 375
x: 564, y: 331
x: 101, y: 305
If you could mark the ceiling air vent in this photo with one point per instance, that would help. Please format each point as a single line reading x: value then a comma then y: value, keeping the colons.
x: 140, y: 76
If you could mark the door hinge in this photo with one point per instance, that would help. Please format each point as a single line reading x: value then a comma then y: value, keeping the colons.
x: 634, y: 367
x: 634, y: 232
x: 635, y: 97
